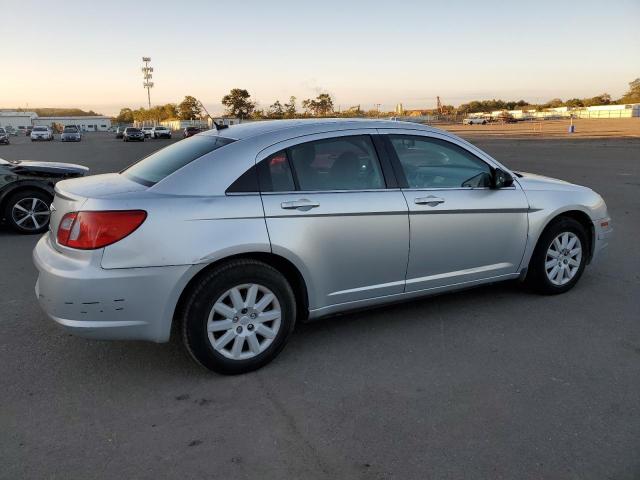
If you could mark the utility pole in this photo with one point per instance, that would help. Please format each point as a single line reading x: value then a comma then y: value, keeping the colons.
x: 147, y: 75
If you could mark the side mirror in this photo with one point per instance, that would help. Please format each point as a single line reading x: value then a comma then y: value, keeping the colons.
x: 501, y: 179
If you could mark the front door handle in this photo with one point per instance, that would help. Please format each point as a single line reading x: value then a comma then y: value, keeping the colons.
x: 302, y: 205
x: 431, y: 201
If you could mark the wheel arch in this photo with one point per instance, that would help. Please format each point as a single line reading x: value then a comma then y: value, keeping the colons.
x: 280, y: 263
x: 580, y: 216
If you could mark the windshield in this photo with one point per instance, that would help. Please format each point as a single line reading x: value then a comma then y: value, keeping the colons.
x: 131, y: 130
x: 164, y: 162
x: 39, y: 129
x: 161, y: 128
x: 70, y: 130
x: 2, y: 130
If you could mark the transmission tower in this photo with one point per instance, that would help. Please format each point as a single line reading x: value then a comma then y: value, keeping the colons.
x: 147, y: 75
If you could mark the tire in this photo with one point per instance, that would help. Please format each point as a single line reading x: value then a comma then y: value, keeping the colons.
x: 214, y: 289
x: 14, y: 215
x: 541, y: 267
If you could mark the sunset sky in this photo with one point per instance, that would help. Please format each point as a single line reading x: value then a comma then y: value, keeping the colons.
x: 88, y: 54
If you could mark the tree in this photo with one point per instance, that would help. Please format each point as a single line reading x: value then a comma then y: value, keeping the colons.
x: 633, y: 95
x: 238, y: 103
x: 170, y: 111
x: 320, y: 106
x: 275, y: 110
x: 125, y: 116
x: 189, y: 108
x: 290, y: 108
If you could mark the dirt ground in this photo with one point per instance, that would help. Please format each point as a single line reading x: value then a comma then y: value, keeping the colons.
x: 584, y: 128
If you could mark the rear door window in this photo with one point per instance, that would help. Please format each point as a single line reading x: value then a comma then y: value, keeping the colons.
x: 164, y: 162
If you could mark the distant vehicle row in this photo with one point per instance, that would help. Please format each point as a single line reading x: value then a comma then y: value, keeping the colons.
x: 147, y: 132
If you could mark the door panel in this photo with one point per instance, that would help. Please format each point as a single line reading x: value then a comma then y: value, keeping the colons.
x: 352, y: 245
x: 342, y: 225
x: 469, y: 235
x: 460, y: 230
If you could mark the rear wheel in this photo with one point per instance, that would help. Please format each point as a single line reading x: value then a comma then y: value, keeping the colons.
x: 238, y: 317
x: 27, y: 211
x: 559, y: 258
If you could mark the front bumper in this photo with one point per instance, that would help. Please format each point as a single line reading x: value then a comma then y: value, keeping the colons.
x: 108, y: 304
x: 602, y: 233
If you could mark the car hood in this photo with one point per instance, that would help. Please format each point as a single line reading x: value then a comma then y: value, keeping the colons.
x: 531, y: 181
x: 51, y: 168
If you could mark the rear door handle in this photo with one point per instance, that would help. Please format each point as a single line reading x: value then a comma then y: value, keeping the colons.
x: 302, y: 205
x: 431, y: 201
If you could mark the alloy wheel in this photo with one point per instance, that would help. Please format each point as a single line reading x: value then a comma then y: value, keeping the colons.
x: 563, y: 258
x: 30, y: 213
x: 244, y: 321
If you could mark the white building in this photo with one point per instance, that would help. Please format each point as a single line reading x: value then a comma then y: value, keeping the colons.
x: 86, y: 124
x: 17, y: 119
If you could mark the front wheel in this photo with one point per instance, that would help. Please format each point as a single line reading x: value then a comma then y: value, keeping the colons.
x: 238, y: 317
x: 559, y: 258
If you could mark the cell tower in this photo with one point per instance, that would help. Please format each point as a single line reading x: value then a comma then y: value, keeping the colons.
x: 147, y: 75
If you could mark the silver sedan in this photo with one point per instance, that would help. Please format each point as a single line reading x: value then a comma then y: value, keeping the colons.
x: 235, y: 234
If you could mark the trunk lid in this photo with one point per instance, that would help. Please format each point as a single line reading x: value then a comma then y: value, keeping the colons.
x: 71, y: 195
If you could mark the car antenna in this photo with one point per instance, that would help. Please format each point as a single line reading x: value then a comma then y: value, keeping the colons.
x: 221, y: 126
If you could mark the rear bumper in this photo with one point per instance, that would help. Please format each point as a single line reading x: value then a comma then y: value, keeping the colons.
x: 115, y: 304
x: 602, y: 232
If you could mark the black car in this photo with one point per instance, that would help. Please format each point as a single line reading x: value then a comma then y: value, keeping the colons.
x: 4, y: 136
x: 132, y: 134
x: 26, y: 191
x: 190, y: 131
x: 120, y: 132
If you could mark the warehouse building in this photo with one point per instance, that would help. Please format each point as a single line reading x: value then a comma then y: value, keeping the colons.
x: 21, y: 120
x: 86, y: 124
x: 628, y: 110
x: 17, y: 119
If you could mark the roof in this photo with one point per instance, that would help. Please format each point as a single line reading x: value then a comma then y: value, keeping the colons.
x: 308, y: 126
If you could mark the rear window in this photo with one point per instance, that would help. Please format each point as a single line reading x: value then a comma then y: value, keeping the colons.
x: 164, y: 162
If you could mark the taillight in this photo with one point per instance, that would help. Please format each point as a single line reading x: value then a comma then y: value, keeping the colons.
x: 91, y: 230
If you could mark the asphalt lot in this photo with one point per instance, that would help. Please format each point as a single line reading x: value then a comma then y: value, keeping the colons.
x: 488, y: 383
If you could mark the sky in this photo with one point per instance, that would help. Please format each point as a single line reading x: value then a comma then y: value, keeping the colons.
x: 88, y: 54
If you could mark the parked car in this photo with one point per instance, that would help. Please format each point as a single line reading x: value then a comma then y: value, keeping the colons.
x: 41, y: 133
x: 4, y: 136
x: 26, y: 191
x: 148, y: 132
x: 71, y: 134
x: 11, y: 131
x: 190, y: 131
x: 28, y: 131
x: 474, y: 121
x: 132, y: 134
x: 120, y: 132
x: 161, y: 132
x: 234, y: 235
